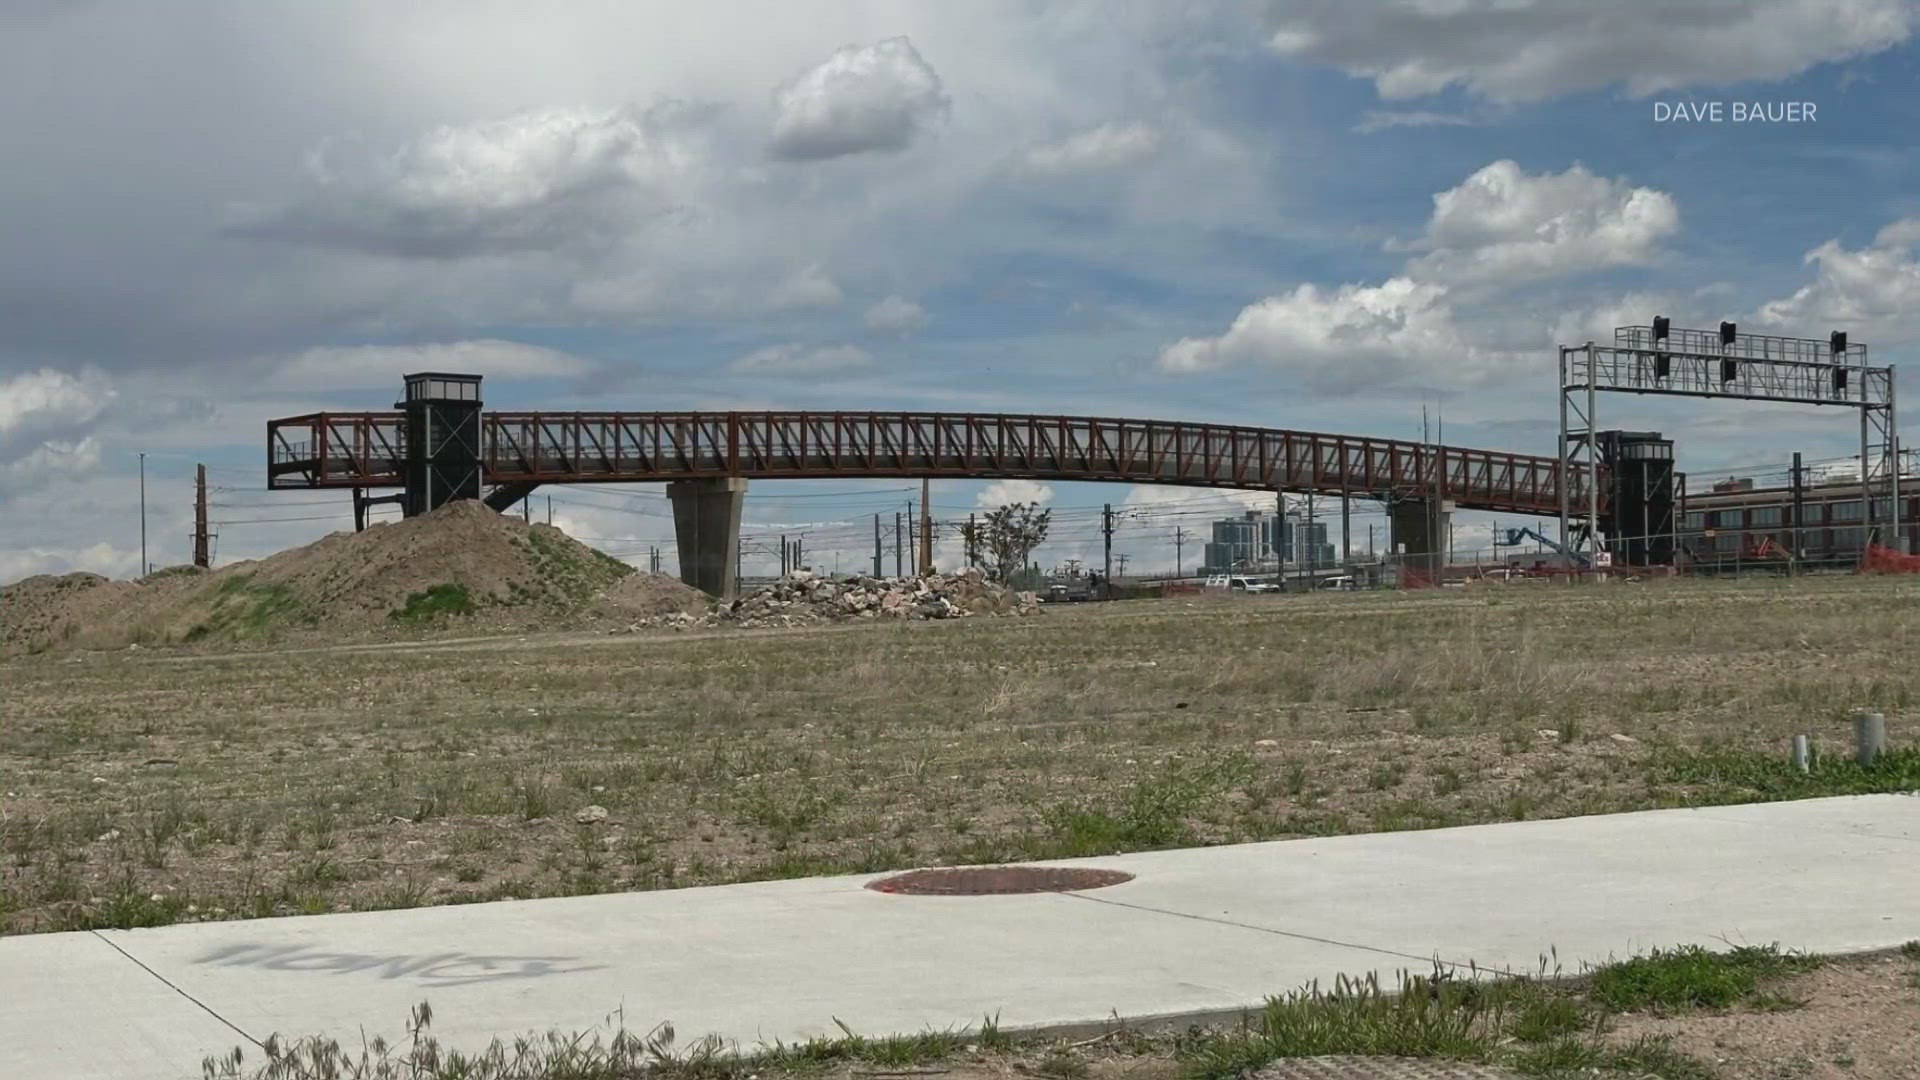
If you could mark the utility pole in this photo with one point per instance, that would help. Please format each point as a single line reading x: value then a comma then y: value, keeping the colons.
x: 1123, y: 563
x: 1346, y: 531
x: 1282, y: 540
x: 926, y: 526
x: 143, y: 515
x: 1180, y: 537
x: 784, y: 568
x: 899, y: 555
x: 913, y: 531
x: 1369, y: 541
x: 973, y: 541
x: 201, y: 555
x: 1106, y: 530
x: 878, y: 570
x: 1313, y: 543
x: 1798, y: 490
x: 549, y: 509
x: 1437, y: 506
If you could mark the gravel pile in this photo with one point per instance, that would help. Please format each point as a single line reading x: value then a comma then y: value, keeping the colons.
x: 804, y: 599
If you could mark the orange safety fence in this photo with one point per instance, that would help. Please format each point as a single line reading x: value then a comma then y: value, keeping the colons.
x: 1884, y: 560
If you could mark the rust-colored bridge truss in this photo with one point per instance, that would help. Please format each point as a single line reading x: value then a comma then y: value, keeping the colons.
x: 520, y: 450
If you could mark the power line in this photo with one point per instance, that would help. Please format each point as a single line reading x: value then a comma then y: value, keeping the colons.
x: 281, y: 521
x: 274, y: 505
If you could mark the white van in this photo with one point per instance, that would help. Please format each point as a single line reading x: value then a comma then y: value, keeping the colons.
x: 1343, y: 583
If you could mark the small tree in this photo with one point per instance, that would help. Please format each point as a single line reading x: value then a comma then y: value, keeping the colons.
x: 1008, y: 535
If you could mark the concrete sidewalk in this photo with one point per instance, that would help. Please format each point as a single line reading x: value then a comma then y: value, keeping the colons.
x: 1198, y: 932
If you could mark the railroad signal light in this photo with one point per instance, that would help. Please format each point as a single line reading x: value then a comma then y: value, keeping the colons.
x: 1839, y: 342
x: 1660, y: 324
x: 1729, y: 369
x: 1839, y: 378
x: 1662, y: 363
x: 1726, y: 333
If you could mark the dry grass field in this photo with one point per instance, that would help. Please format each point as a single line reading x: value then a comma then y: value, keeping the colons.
x: 152, y: 786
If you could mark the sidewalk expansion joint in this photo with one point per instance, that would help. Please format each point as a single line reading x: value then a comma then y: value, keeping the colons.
x: 169, y: 984
x: 1285, y: 933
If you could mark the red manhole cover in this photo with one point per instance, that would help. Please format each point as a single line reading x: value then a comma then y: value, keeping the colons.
x: 996, y: 880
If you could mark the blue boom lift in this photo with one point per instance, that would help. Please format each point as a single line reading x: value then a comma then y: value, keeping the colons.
x: 1515, y: 537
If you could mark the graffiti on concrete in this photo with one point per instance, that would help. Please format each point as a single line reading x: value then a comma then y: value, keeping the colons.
x: 435, y: 969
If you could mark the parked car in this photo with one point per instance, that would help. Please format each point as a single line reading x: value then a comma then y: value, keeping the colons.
x: 1342, y: 583
x: 1065, y: 592
x: 1237, y: 583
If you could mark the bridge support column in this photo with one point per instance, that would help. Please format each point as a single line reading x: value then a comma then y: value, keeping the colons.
x: 706, y: 525
x: 1420, y: 534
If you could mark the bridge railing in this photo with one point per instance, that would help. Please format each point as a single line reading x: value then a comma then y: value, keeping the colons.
x: 336, y: 450
x: 366, y: 449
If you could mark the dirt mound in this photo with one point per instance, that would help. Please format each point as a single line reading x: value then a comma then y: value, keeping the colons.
x: 462, y: 559
x: 644, y: 596
x: 802, y: 598
x: 497, y: 559
x: 49, y: 609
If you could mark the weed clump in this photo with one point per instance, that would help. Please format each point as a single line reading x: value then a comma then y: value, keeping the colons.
x: 1690, y: 977
x: 434, y: 603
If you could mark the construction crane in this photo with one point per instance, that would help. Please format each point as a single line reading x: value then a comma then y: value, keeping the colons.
x: 1516, y: 537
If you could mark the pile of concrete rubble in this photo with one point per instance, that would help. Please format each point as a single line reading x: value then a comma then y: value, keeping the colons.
x: 803, y: 598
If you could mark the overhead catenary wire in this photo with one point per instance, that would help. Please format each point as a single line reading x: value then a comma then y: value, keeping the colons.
x: 287, y: 520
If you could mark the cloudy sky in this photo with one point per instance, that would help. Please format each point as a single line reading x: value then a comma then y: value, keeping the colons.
x: 1320, y: 214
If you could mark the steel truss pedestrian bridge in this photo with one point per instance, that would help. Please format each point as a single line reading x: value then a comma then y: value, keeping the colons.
x: 520, y: 450
x: 438, y: 445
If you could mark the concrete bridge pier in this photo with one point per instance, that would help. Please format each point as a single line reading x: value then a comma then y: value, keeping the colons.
x: 1420, y: 533
x: 706, y: 527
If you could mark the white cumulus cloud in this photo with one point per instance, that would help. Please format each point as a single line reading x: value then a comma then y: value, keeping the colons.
x: 1343, y: 341
x: 1007, y: 492
x: 863, y: 98
x: 1516, y: 51
x: 1108, y: 146
x: 536, y: 180
x: 47, y: 398
x: 100, y: 558
x: 1868, y: 290
x: 1503, y: 224
x: 57, y: 457
x: 796, y: 359
x: 896, y: 315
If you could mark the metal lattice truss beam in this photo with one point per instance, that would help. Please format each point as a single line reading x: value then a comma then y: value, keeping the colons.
x: 344, y: 450
x: 1693, y: 363
x: 1699, y: 364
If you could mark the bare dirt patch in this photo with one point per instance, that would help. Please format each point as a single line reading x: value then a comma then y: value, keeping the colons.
x: 1860, y: 1021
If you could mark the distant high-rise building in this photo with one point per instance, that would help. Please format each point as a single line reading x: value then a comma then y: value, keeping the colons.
x: 1310, y: 541
x: 1245, y: 542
